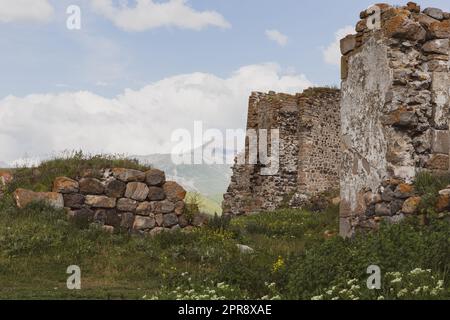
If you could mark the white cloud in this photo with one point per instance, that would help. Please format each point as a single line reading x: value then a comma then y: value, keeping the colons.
x: 332, y: 53
x: 277, y: 36
x: 137, y: 121
x: 25, y: 10
x: 149, y: 14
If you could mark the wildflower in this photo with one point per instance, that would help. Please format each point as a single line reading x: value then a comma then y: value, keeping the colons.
x: 380, y: 298
x: 351, y: 282
x: 279, y: 264
x: 396, y: 280
x: 316, y: 298
x: 402, y: 293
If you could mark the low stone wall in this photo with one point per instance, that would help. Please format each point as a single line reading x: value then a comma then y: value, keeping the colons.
x: 118, y: 200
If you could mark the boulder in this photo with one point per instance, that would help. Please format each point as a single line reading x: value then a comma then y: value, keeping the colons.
x: 25, y: 197
x: 382, y: 209
x: 115, y: 188
x: 125, y: 204
x: 434, y: 13
x: 183, y: 221
x: 411, y: 205
x: 400, y: 26
x: 438, y: 46
x: 91, y: 186
x: 108, y: 217
x: 170, y: 220
x: 100, y: 202
x: 174, y: 191
x: 137, y: 191
x: 155, y: 178
x: 128, y: 175
x: 65, y: 185
x: 81, y: 218
x: 73, y: 200
x: 243, y: 249
x: 145, y: 208
x: 179, y: 208
x: 439, y: 30
x: 144, y: 223
x: 164, y: 207
x: 127, y: 220
x: 156, y: 194
x: 404, y: 191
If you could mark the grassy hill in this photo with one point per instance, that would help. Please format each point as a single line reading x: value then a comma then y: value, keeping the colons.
x: 295, y: 254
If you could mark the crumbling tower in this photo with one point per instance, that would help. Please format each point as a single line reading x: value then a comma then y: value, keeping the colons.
x: 309, y: 152
x: 394, y: 110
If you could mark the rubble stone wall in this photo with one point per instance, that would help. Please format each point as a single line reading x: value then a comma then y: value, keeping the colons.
x: 394, y: 112
x: 309, y: 125
x: 118, y: 200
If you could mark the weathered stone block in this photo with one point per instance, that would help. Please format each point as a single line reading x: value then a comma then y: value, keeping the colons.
x: 125, y: 204
x: 348, y: 44
x: 174, y: 191
x: 156, y: 194
x: 144, y: 223
x: 434, y: 13
x: 170, y: 220
x: 164, y: 207
x: 440, y: 142
x: 128, y: 175
x: 65, y: 185
x: 25, y: 197
x: 115, y: 188
x: 91, y: 186
x: 145, y: 208
x: 155, y: 178
x: 74, y: 201
x: 100, y: 201
x: 137, y: 191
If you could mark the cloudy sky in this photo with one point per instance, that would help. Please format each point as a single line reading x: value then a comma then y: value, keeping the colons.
x: 139, y: 69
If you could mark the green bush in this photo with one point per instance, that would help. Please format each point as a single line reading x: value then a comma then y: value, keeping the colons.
x: 394, y: 248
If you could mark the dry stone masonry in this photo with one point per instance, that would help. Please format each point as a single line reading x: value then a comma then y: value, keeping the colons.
x: 118, y: 200
x: 309, y: 155
x: 394, y: 112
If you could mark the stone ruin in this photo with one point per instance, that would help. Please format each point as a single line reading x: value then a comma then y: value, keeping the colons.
x: 394, y: 112
x: 118, y: 200
x: 309, y: 151
x: 388, y: 122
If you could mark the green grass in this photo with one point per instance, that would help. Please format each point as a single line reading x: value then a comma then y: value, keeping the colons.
x: 292, y: 258
x: 71, y: 165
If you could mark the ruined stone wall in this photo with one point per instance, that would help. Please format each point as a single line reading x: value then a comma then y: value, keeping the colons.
x: 118, y: 200
x: 319, y: 141
x: 394, y: 112
x: 308, y: 125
